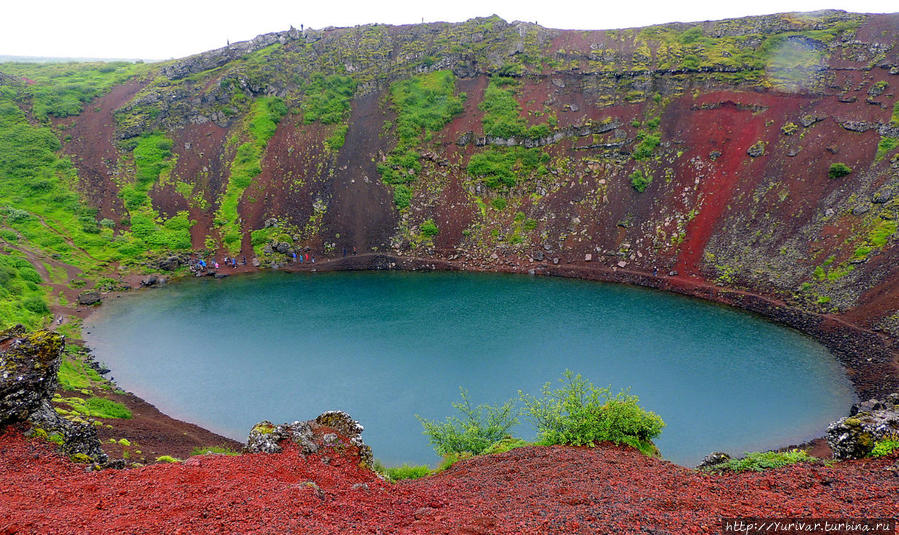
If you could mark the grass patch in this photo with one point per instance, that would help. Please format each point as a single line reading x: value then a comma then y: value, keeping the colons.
x: 505, y: 167
x: 502, y: 112
x: 761, y: 461
x: 327, y: 99
x: 424, y: 104
x: 75, y: 375
x: 218, y: 450
x: 22, y: 300
x: 62, y: 89
x: 887, y: 145
x: 406, y: 471
x: 94, y: 407
x: 263, y: 119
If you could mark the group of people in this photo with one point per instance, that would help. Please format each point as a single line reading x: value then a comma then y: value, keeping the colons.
x: 200, y: 266
x: 303, y: 257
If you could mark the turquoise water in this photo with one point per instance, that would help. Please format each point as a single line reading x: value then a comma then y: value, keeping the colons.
x: 386, y: 346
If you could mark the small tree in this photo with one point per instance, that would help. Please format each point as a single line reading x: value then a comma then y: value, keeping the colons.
x: 477, y: 429
x: 839, y: 170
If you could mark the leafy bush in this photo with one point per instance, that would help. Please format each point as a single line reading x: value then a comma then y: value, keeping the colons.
x: 582, y: 414
x: 760, y: 461
x: 838, y: 170
x: 885, y: 447
x: 477, y: 429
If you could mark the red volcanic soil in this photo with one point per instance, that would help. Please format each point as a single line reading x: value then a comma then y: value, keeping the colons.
x: 557, y: 489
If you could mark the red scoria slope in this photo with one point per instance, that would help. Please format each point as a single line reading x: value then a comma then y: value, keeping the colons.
x: 529, y: 490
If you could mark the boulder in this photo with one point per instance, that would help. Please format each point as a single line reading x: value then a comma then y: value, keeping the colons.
x: 713, y: 459
x: 152, y: 280
x: 90, y: 297
x: 870, y: 421
x: 334, y: 429
x: 28, y: 367
x: 756, y: 150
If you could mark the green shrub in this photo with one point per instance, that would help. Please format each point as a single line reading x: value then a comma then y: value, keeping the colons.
x: 580, y: 414
x: 760, y: 461
x: 639, y: 181
x: 477, y: 429
x: 647, y: 142
x: 838, y: 170
x: 429, y: 228
x: 499, y: 203
x: 402, y: 196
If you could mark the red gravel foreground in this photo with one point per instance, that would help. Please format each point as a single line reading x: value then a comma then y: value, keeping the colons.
x: 528, y: 490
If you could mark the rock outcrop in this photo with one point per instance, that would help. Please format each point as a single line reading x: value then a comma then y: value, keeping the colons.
x: 868, y: 422
x: 29, y: 364
x: 28, y: 367
x: 331, y: 430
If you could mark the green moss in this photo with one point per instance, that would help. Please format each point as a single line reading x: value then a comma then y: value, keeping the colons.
x: 167, y: 459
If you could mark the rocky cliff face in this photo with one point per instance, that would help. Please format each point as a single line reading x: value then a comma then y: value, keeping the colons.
x: 755, y: 154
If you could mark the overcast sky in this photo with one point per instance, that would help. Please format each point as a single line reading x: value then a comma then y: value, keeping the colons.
x: 162, y: 29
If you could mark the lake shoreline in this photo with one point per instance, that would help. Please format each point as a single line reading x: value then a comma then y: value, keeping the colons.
x: 769, y: 309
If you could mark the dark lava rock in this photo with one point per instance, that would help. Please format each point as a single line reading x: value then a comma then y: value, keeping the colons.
x: 870, y: 421
x: 152, y: 280
x: 28, y: 379
x: 90, y: 297
x: 713, y: 459
x: 333, y: 429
